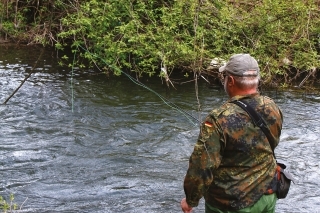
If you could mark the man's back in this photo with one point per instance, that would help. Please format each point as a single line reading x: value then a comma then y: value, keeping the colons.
x: 247, y: 164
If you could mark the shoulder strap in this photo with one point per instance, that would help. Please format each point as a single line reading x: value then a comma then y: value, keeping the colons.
x: 257, y: 119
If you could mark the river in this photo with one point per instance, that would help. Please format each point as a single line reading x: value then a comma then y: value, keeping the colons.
x: 73, y: 140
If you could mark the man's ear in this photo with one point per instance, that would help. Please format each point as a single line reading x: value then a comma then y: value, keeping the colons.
x: 231, y: 81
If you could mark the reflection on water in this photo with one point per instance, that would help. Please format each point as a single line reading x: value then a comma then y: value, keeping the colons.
x: 119, y: 148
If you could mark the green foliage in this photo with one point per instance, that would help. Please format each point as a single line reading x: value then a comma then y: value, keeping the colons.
x: 138, y: 35
x: 8, y: 206
x: 32, y: 22
x: 145, y: 36
x: 278, y: 31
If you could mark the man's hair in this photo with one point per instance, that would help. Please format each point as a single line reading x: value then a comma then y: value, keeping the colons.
x: 247, y: 82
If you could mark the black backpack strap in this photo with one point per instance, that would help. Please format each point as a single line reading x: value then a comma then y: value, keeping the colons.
x: 257, y: 119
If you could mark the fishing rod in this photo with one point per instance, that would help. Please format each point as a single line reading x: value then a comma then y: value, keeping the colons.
x: 189, y: 116
x: 25, y: 79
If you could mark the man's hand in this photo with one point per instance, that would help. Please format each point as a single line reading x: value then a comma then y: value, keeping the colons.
x: 185, y: 207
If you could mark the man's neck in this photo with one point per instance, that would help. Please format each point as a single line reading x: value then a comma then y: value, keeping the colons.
x: 243, y: 93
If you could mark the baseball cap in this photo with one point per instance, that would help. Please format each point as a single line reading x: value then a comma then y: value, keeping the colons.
x: 241, y: 65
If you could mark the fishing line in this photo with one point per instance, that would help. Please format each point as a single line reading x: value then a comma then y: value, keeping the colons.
x: 71, y: 81
x: 165, y: 100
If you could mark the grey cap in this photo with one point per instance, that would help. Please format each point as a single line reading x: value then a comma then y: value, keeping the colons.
x: 241, y: 65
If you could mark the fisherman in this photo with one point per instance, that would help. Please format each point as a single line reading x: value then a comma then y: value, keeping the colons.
x: 232, y: 164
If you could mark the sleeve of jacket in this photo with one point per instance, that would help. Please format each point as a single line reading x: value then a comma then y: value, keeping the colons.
x: 203, y: 161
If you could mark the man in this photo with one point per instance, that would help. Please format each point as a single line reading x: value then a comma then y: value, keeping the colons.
x: 232, y: 164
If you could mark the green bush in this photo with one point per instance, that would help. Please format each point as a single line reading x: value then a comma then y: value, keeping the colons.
x: 143, y: 36
x: 160, y: 37
x: 8, y: 206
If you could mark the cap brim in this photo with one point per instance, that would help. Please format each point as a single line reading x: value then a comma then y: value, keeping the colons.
x: 222, y: 69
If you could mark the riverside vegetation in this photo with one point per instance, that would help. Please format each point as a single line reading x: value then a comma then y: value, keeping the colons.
x: 8, y: 207
x: 165, y: 37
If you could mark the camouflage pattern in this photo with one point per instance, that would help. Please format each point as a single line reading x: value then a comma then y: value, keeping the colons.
x: 232, y: 163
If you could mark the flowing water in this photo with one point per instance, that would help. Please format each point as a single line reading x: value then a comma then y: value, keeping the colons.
x: 82, y: 142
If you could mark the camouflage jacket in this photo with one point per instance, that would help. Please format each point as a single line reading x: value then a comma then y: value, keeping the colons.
x: 232, y: 163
